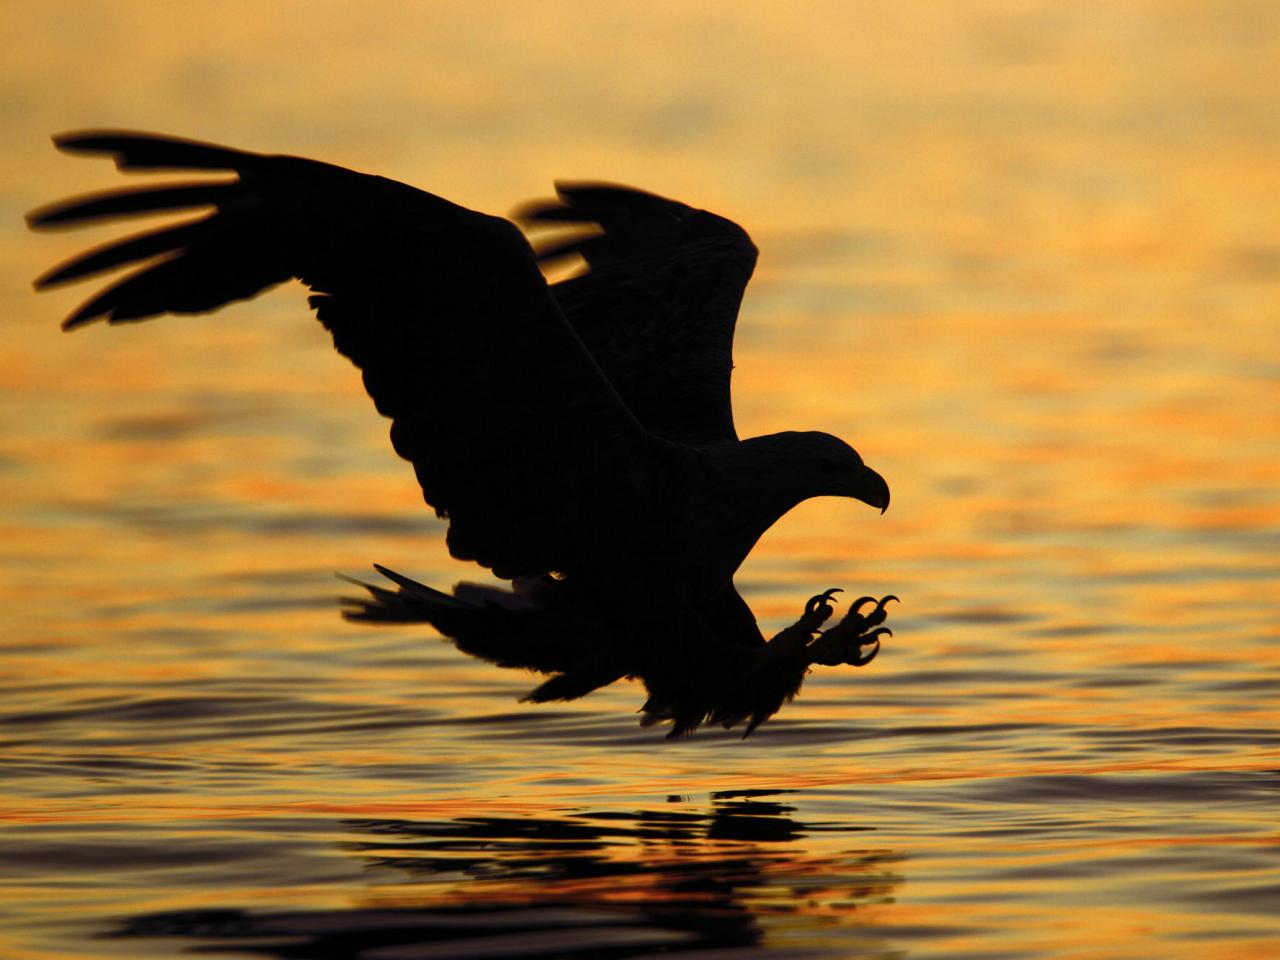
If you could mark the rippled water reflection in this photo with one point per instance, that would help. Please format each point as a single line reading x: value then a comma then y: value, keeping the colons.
x: 1023, y: 256
x: 614, y: 883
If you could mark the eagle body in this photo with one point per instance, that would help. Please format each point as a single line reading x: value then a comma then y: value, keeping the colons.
x: 578, y: 437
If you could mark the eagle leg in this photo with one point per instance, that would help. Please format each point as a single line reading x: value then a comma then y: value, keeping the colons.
x: 777, y: 674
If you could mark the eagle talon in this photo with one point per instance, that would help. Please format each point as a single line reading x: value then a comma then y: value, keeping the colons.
x: 844, y: 643
x: 819, y: 609
x: 876, y: 615
x: 862, y: 659
x: 857, y: 605
x: 874, y: 636
x: 822, y: 600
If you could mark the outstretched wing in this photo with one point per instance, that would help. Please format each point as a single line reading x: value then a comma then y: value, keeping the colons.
x: 514, y: 432
x: 658, y: 304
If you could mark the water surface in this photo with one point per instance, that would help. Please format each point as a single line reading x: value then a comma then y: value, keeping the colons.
x: 1025, y: 257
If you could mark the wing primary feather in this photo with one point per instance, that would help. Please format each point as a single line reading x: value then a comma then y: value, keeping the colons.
x: 432, y: 301
x: 147, y: 151
x: 124, y: 203
x: 106, y: 304
x: 113, y: 255
x: 601, y: 202
x: 181, y: 283
x: 657, y: 303
x: 558, y: 249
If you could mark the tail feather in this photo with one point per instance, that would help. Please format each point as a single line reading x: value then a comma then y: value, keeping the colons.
x: 414, y: 589
x: 572, y: 684
x: 517, y: 634
x: 482, y: 593
x: 413, y: 603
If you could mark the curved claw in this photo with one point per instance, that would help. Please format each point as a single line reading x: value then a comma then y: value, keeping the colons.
x: 862, y: 659
x: 877, y: 614
x: 857, y: 605
x: 817, y: 602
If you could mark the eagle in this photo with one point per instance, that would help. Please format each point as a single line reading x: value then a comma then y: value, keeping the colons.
x: 577, y: 436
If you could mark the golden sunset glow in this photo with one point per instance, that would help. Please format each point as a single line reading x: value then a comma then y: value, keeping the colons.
x: 1024, y: 256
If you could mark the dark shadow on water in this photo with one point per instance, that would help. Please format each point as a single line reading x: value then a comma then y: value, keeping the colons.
x: 607, y: 884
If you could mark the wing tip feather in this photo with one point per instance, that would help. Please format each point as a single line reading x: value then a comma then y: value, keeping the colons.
x: 140, y: 150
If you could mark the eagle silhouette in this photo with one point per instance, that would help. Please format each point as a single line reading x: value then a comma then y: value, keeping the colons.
x: 577, y: 436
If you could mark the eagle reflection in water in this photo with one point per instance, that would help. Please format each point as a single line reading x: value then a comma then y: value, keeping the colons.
x: 577, y: 436
x: 601, y: 884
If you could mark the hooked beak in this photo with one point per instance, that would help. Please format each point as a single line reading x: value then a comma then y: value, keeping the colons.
x: 870, y: 488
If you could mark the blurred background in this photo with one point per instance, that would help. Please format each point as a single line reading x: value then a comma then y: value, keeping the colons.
x: 1024, y: 256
